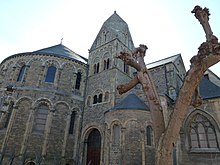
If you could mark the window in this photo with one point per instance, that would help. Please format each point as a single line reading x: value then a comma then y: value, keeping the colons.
x: 202, y: 133
x: 149, y: 135
x: 95, y: 99
x: 100, y: 98
x: 40, y: 118
x: 72, y: 121
x: 78, y: 80
x: 21, y: 74
x: 50, y: 76
x: 116, y: 134
x: 106, y: 64
x: 96, y: 68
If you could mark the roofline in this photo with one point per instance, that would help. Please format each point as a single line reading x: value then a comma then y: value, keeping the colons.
x: 47, y: 54
x: 179, y: 54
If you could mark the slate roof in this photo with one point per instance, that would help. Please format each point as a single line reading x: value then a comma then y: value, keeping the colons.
x: 208, y: 89
x: 56, y: 50
x: 62, y: 51
x: 163, y: 61
x: 131, y: 102
x: 116, y: 27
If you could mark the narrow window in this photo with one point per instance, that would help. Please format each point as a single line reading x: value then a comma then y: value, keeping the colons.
x: 94, y: 68
x: 149, y: 136
x: 95, y: 99
x: 50, y: 76
x: 97, y: 71
x: 78, y: 80
x: 100, y: 98
x: 72, y: 121
x: 40, y: 119
x: 105, y: 64
x: 108, y: 64
x: 21, y: 74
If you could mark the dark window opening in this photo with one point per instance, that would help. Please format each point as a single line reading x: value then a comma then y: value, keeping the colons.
x: 50, y: 76
x: 78, y: 80
x: 72, y: 121
x: 95, y: 99
x: 149, y: 136
x: 21, y: 73
x: 100, y: 98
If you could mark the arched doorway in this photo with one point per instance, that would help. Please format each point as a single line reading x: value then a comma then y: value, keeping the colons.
x: 30, y: 163
x: 93, y: 148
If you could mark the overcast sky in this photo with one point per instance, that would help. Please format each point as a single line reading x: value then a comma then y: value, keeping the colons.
x: 167, y: 27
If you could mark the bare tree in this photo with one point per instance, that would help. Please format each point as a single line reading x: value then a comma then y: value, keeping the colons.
x: 208, y: 55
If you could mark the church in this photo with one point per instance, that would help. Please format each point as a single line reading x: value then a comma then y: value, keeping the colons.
x: 60, y: 108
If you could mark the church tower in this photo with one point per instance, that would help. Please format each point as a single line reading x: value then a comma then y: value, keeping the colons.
x: 105, y: 73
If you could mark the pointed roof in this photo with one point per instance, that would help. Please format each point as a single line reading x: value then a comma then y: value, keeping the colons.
x: 62, y: 51
x: 116, y: 27
x: 131, y: 102
x: 208, y: 89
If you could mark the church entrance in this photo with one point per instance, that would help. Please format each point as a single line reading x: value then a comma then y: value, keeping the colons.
x: 93, y: 148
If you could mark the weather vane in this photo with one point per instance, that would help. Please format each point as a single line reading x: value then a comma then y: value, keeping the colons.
x: 61, y: 41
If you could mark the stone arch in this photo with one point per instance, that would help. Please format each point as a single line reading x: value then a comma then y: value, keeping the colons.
x: 53, y: 62
x: 68, y: 65
x: 43, y: 101
x: 93, y: 139
x: 23, y: 99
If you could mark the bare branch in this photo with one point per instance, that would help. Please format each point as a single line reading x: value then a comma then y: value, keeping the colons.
x: 126, y: 87
x: 203, y: 16
x: 129, y: 60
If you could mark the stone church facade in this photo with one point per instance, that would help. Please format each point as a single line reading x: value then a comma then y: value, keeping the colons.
x: 58, y: 107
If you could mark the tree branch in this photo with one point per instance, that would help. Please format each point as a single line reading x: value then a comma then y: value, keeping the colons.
x: 129, y: 60
x: 126, y: 87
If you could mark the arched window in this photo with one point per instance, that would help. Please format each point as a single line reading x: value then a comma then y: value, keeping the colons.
x: 51, y: 73
x: 21, y: 74
x: 40, y: 118
x: 72, y: 121
x: 202, y: 133
x: 97, y: 69
x: 95, y: 99
x: 100, y: 98
x: 116, y: 134
x: 78, y: 80
x: 149, y: 131
x: 94, y: 69
x: 106, y: 64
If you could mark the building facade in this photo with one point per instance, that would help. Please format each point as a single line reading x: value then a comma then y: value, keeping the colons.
x: 58, y: 107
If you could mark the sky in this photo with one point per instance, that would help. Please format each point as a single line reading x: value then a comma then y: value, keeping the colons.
x: 167, y: 27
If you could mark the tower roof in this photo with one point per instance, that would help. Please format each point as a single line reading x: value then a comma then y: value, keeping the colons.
x: 114, y: 27
x: 131, y: 102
